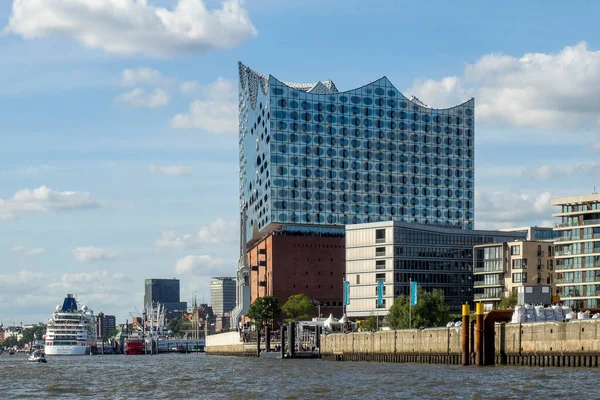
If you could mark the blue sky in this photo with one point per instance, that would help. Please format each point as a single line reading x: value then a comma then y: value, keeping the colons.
x: 118, y: 143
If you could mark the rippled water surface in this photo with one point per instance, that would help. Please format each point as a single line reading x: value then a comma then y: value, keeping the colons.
x: 197, y: 376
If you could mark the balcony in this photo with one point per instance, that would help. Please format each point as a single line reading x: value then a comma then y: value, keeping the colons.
x: 583, y: 223
x: 485, y: 270
x: 487, y: 296
x: 498, y: 283
x: 568, y: 280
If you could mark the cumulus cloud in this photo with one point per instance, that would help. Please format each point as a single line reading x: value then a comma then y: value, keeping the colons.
x: 91, y: 254
x: 204, y: 265
x: 45, y: 199
x: 22, y: 295
x: 138, y: 97
x: 536, y: 90
x: 496, y: 210
x: 134, y: 26
x: 214, y: 112
x: 170, y: 170
x: 219, y: 231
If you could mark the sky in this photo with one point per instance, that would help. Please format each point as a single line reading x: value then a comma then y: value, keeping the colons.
x: 118, y: 123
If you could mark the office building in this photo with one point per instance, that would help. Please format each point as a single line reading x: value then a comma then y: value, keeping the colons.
x: 166, y: 293
x: 436, y: 257
x: 222, y: 295
x: 501, y: 268
x: 105, y: 324
x: 577, y: 255
x: 311, y: 155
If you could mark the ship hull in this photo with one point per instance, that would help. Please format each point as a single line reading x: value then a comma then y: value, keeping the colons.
x: 67, y: 350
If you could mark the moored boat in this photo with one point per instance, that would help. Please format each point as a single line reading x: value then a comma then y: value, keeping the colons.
x: 71, y: 330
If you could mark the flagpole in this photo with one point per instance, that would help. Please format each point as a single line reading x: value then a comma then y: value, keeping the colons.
x: 410, y: 307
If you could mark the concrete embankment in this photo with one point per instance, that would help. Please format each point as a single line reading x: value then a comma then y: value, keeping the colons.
x: 542, y: 344
x: 229, y: 344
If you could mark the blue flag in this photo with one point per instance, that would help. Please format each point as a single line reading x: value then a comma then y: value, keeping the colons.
x: 346, y: 293
x: 413, y: 293
x: 380, y: 292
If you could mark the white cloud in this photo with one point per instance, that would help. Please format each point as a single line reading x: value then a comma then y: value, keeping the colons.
x: 548, y: 91
x: 44, y: 199
x: 32, y: 296
x: 134, y: 26
x: 217, y: 232
x: 496, y: 210
x: 141, y: 76
x: 215, y: 112
x: 138, y: 97
x: 171, y: 170
x: 550, y: 172
x: 28, y: 252
x: 188, y: 88
x: 90, y: 254
x: 204, y: 266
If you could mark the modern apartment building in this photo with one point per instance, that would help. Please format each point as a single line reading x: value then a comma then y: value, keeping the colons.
x: 166, y: 292
x: 578, y: 250
x: 222, y: 295
x: 436, y: 257
x: 311, y: 155
x: 501, y: 268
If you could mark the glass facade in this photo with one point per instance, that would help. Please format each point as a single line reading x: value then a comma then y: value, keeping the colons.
x: 312, y: 155
x: 577, y: 250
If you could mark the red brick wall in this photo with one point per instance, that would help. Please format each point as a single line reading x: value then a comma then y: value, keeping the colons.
x: 312, y: 265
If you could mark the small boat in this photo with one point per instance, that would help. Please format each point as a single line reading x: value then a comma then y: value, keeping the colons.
x: 37, y: 356
x: 11, y: 352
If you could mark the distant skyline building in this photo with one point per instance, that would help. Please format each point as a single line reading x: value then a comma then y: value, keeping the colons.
x: 311, y: 155
x: 222, y: 295
x: 167, y: 293
x: 577, y: 255
x: 105, y: 324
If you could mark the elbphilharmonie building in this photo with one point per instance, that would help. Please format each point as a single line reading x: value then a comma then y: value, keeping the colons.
x: 313, y: 155
x: 314, y: 159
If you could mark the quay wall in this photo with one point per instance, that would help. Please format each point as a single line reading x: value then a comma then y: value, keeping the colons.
x: 408, y: 341
x: 574, y: 343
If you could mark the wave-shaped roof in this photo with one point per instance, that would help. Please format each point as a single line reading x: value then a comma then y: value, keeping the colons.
x: 254, y: 80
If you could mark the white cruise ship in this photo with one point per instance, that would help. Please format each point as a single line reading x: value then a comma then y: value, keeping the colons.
x: 71, y: 330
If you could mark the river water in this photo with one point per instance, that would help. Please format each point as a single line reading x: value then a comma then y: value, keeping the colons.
x: 198, y: 376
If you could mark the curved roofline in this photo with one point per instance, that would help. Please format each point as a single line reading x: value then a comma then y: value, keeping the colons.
x: 360, y: 87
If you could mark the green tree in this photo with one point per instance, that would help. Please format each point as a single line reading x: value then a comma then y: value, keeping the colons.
x: 264, y: 310
x: 431, y: 310
x: 298, y: 307
x: 35, y: 333
x: 369, y: 324
x: 509, y: 301
x: 110, y: 334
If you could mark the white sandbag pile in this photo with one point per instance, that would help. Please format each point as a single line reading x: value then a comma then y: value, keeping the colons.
x: 556, y: 313
x: 583, y: 315
x: 519, y: 315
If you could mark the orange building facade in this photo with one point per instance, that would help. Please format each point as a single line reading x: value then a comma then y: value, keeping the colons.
x: 282, y: 265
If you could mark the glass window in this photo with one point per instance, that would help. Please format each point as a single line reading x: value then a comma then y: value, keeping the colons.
x: 515, y: 250
x: 380, y: 236
x: 379, y: 251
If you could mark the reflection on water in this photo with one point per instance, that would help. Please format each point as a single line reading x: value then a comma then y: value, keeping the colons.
x: 190, y: 376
